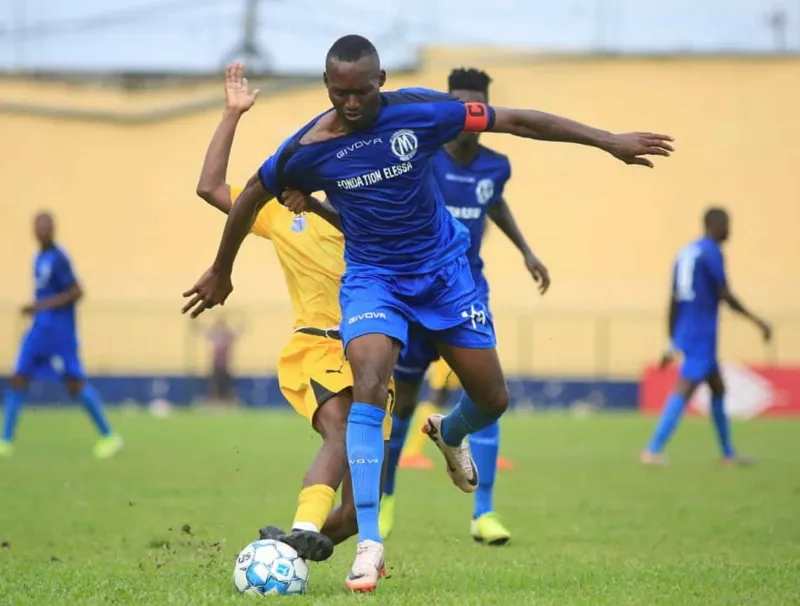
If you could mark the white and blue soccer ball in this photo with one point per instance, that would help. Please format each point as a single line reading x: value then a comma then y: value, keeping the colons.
x: 270, y: 568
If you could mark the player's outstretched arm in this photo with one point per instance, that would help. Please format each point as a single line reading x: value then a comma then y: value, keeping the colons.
x: 736, y: 305
x: 501, y: 215
x: 240, y: 219
x: 214, y: 286
x: 212, y: 185
x: 628, y: 147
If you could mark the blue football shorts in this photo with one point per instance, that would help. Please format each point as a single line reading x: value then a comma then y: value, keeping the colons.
x: 47, y: 352
x: 420, y: 351
x: 699, y: 360
x: 419, y: 309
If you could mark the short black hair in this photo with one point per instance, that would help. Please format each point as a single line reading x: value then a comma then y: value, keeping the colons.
x: 469, y: 79
x: 714, y: 214
x: 351, y: 48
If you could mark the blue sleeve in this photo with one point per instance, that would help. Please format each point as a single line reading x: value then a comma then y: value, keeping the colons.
x: 449, y: 114
x: 268, y: 175
x: 715, y: 264
x: 273, y: 173
x: 449, y: 117
x: 64, y: 273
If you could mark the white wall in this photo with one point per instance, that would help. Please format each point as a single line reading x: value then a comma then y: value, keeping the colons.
x: 198, y: 35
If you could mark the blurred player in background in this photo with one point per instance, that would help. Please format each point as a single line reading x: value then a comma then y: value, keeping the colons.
x: 51, y: 344
x: 221, y: 336
x: 472, y: 179
x: 313, y: 374
x: 407, y: 269
x: 699, y: 283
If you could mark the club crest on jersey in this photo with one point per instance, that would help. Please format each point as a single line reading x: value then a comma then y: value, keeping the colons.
x: 484, y: 191
x: 299, y: 223
x: 404, y: 144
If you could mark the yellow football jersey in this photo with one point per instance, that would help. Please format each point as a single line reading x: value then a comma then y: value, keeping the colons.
x: 311, y: 253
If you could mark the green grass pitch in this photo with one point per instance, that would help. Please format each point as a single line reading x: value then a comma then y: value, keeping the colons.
x: 162, y: 523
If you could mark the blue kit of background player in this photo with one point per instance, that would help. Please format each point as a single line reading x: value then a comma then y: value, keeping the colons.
x: 472, y: 179
x: 699, y: 283
x: 50, y: 347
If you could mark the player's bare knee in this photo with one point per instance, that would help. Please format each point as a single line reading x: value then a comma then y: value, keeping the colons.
x: 332, y: 429
x: 74, y: 387
x: 370, y: 387
x: 500, y: 399
x: 717, y: 390
x: 403, y: 409
x: 18, y: 382
x: 331, y: 418
x: 685, y: 388
x: 495, y: 399
x: 405, y: 399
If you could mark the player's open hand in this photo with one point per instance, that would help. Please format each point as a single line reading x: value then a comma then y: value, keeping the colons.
x: 211, y: 289
x: 632, y: 148
x: 539, y: 272
x: 238, y: 97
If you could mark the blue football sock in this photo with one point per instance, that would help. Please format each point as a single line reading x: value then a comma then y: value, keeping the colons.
x: 396, y: 443
x: 721, y: 425
x: 94, y: 406
x: 668, y: 422
x: 464, y: 419
x: 485, y: 444
x: 365, y: 455
x: 12, y: 402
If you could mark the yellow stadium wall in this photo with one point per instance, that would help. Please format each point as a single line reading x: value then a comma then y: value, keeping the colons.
x: 124, y: 198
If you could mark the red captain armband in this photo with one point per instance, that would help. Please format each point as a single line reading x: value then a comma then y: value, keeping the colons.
x: 479, y: 118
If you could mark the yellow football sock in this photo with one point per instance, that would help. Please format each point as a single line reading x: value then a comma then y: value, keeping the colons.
x: 416, y: 441
x: 313, y: 506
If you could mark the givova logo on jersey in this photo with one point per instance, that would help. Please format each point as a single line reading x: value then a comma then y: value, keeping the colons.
x: 404, y: 144
x: 484, y: 191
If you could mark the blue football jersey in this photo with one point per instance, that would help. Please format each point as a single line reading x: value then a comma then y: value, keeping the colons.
x: 698, y: 277
x: 469, y: 190
x: 380, y: 180
x: 52, y: 274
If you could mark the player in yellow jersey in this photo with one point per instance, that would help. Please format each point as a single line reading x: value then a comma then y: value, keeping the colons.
x: 442, y: 382
x: 313, y: 374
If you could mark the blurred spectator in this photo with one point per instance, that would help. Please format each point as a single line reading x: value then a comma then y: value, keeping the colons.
x: 221, y: 336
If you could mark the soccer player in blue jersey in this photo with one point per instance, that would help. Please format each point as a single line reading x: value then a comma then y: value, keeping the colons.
x: 51, y: 344
x: 699, y: 283
x: 471, y: 178
x: 407, y: 272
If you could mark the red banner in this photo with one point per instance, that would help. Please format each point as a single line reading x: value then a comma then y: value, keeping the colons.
x: 751, y: 391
